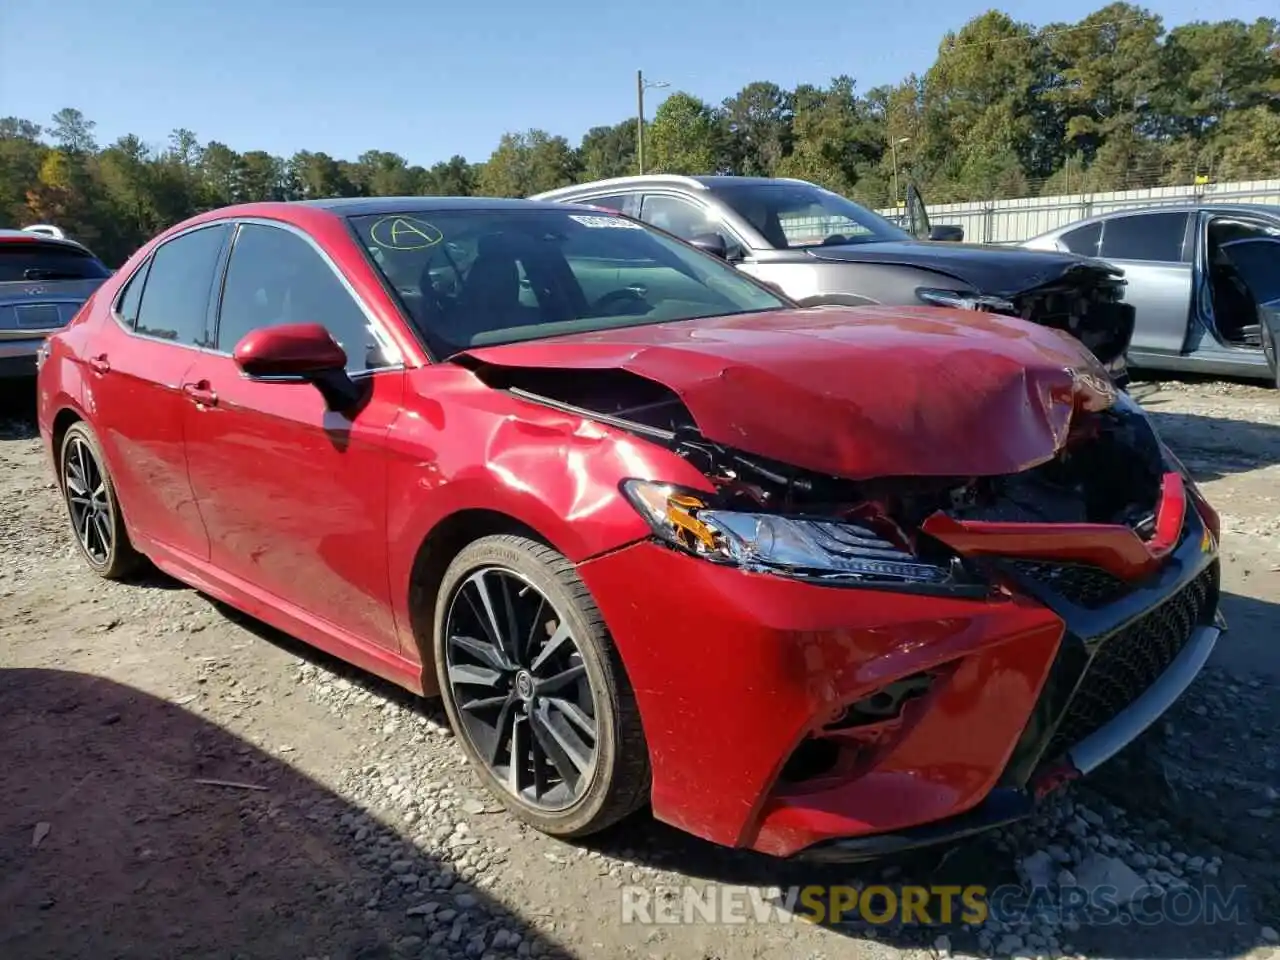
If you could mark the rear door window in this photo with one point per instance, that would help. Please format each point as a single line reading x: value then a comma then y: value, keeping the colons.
x: 1152, y: 236
x: 175, y: 299
x: 131, y: 299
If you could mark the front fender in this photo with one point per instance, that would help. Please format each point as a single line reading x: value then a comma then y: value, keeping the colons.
x: 468, y: 447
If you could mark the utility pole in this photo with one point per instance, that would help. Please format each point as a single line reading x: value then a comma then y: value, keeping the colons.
x: 641, y: 85
x: 640, y: 121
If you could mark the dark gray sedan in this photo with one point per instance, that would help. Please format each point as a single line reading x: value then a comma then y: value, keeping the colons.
x: 44, y: 280
x: 1204, y: 280
x: 818, y: 247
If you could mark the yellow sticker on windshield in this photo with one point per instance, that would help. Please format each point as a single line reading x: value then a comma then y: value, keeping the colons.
x: 404, y: 233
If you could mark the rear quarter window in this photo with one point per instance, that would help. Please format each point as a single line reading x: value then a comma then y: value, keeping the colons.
x: 25, y: 261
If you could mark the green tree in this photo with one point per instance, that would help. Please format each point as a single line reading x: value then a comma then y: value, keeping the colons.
x: 262, y: 176
x: 528, y: 163
x: 686, y: 137
x: 449, y: 178
x: 758, y: 126
x: 72, y: 132
x: 609, y: 151
x: 223, y: 171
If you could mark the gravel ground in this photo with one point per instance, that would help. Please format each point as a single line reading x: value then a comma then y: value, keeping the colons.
x: 181, y: 781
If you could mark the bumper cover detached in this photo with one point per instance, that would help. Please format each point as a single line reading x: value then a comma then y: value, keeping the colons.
x: 1117, y: 672
x: 737, y: 674
x: 1005, y: 805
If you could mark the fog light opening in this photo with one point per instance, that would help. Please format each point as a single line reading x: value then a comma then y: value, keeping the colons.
x: 812, y: 758
x: 883, y: 705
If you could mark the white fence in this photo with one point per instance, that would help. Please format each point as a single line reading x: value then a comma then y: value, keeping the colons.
x: 1012, y: 221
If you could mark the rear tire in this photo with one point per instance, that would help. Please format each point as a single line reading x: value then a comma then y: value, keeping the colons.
x: 535, y: 689
x: 92, y: 505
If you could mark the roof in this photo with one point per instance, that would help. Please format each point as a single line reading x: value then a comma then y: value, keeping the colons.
x: 661, y: 179
x: 1181, y: 207
x: 364, y: 206
x: 27, y: 236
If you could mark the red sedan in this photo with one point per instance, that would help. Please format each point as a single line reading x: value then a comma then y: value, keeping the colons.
x: 829, y: 582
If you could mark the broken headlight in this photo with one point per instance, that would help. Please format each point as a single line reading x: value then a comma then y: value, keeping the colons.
x: 964, y: 300
x: 803, y: 547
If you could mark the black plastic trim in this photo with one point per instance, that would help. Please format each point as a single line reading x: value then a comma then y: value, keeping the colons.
x: 1001, y: 807
x: 1086, y: 630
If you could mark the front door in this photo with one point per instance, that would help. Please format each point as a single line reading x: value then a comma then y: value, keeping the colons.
x: 293, y: 494
x: 137, y: 366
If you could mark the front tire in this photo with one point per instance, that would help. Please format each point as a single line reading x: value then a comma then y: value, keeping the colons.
x: 535, y: 689
x: 92, y: 506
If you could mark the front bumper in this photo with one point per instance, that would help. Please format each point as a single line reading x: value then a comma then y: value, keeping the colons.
x: 737, y: 674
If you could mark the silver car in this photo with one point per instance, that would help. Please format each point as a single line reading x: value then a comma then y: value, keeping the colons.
x: 818, y: 247
x: 1204, y: 279
x: 44, y: 280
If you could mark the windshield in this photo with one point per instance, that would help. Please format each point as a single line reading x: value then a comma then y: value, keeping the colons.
x: 481, y: 277
x: 24, y: 260
x: 797, y: 215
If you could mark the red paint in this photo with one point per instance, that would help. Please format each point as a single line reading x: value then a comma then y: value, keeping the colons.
x: 291, y: 349
x: 858, y: 393
x: 261, y: 496
x: 1116, y: 549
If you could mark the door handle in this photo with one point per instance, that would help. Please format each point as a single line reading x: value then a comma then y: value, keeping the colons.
x: 99, y: 364
x: 201, y: 394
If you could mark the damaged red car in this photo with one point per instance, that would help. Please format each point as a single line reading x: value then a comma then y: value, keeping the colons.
x: 828, y: 582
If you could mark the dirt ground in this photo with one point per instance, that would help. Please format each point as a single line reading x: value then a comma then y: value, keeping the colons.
x: 179, y: 781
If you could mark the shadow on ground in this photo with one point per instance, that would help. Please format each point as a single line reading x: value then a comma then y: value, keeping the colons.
x: 110, y: 846
x: 1211, y: 447
x: 1159, y: 783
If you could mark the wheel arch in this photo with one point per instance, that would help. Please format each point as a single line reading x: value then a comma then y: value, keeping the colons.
x: 62, y: 422
x: 444, y: 541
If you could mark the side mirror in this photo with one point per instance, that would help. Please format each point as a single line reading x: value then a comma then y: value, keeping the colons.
x: 298, y: 353
x: 950, y: 233
x: 711, y: 243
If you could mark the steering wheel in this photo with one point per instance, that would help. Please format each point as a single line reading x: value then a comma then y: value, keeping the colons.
x: 617, y: 298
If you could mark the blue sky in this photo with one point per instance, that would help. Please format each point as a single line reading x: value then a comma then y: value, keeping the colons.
x: 430, y: 79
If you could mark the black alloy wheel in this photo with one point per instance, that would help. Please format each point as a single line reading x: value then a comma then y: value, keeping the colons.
x: 92, y: 506
x: 535, y: 690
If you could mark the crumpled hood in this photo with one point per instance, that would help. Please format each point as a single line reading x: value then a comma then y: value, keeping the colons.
x: 995, y: 271
x: 856, y: 392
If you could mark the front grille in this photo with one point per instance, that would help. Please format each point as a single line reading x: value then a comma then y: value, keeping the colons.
x: 1083, y: 585
x: 1129, y: 661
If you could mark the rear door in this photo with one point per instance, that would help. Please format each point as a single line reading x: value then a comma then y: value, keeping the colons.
x: 1154, y: 251
x: 133, y: 386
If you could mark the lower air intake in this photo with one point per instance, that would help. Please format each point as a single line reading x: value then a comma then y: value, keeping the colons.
x: 1130, y: 660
